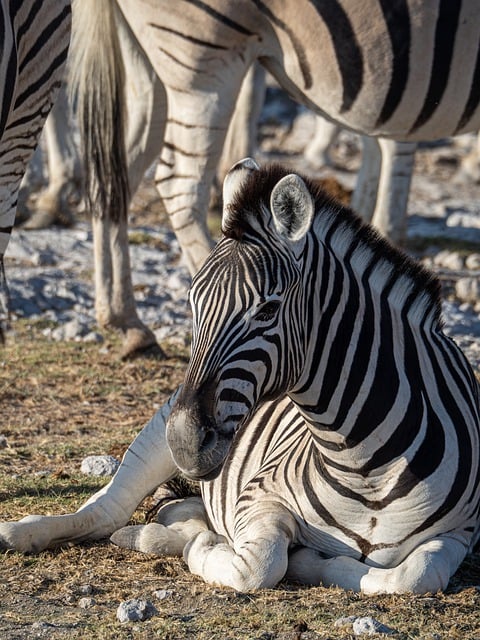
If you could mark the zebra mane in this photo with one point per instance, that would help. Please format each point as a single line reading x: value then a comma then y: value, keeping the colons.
x: 249, y: 202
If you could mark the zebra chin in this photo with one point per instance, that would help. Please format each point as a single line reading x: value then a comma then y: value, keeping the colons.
x: 199, y: 449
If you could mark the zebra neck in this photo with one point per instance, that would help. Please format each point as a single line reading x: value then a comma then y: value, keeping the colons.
x: 369, y: 333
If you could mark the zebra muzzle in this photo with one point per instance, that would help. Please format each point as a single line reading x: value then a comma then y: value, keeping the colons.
x: 198, y: 446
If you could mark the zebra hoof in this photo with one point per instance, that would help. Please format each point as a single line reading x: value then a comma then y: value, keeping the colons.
x: 141, y: 344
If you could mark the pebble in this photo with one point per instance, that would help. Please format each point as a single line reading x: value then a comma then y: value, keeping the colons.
x: 162, y: 594
x: 99, y: 465
x: 472, y: 261
x: 86, y: 603
x: 364, y: 625
x: 467, y: 289
x: 449, y: 260
x: 368, y: 626
x: 3, y: 442
x: 461, y: 219
x: 85, y: 589
x: 135, y: 610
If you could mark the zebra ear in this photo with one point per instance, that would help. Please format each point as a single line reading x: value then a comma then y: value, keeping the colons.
x: 292, y: 207
x: 232, y: 184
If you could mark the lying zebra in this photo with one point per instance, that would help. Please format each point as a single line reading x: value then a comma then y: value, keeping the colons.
x: 333, y: 427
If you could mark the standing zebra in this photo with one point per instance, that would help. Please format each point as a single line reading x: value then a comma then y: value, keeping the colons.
x: 333, y: 426
x: 401, y: 71
x: 33, y: 51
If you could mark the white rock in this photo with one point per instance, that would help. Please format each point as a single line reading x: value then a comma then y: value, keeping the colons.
x: 162, y: 594
x: 369, y: 626
x: 135, y: 610
x: 93, y: 336
x: 86, y: 603
x: 99, y: 465
x: 449, y: 260
x: 468, y: 290
x: 460, y: 219
x: 473, y: 261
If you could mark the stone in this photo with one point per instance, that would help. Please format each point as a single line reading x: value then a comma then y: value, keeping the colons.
x: 472, y: 261
x: 135, y: 610
x: 449, y: 260
x: 86, y: 603
x: 369, y: 626
x: 162, y: 594
x: 99, y: 465
x: 468, y: 289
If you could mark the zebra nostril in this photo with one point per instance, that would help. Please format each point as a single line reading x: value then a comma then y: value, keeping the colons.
x: 209, y: 440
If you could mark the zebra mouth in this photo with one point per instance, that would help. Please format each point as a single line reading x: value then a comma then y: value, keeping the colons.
x: 206, y: 477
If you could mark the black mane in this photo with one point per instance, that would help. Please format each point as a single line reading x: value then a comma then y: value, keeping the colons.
x: 256, y: 191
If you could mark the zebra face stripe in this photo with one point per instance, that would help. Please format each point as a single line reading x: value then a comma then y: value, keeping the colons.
x: 242, y: 347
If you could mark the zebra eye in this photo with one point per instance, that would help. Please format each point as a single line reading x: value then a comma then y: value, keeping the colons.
x: 267, y: 311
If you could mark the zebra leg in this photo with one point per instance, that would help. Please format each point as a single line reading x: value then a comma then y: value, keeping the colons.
x: 194, y: 137
x: 257, y: 560
x: 177, y: 523
x: 64, y: 169
x: 364, y: 197
x: 115, y: 305
x: 427, y: 569
x: 317, y: 152
x: 390, y: 216
x: 146, y: 464
x: 114, y: 295
x: 241, y: 141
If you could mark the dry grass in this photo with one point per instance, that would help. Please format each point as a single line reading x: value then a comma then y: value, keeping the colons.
x: 63, y: 401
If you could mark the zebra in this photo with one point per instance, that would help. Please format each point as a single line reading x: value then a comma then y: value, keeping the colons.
x: 398, y: 72
x: 332, y: 425
x: 34, y: 45
x: 58, y: 153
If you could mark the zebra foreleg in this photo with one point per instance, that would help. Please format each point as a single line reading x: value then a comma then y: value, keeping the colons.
x: 258, y: 560
x: 427, y: 569
x: 178, y: 523
x: 146, y: 464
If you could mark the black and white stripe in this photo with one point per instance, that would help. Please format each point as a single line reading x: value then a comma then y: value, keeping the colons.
x: 34, y: 43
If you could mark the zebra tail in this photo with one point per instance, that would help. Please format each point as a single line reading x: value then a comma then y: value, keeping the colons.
x: 96, y: 82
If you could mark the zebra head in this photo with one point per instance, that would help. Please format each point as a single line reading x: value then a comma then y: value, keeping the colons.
x: 249, y: 305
